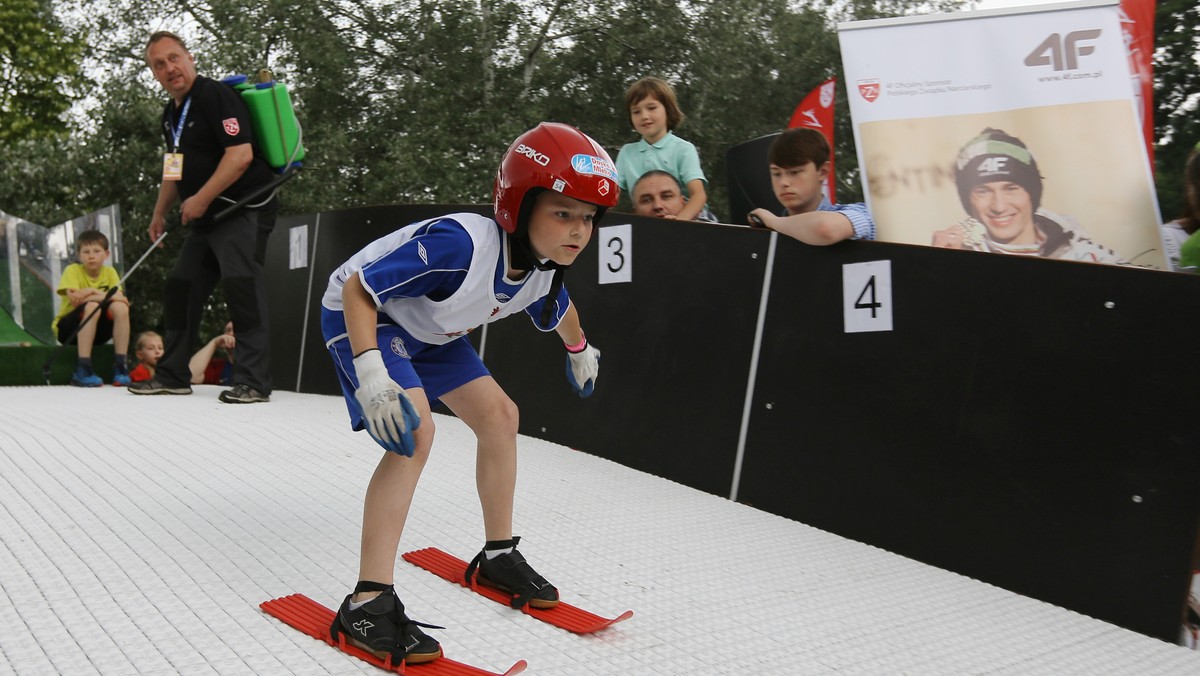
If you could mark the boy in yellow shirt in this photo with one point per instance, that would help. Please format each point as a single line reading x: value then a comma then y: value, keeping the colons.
x: 83, y: 288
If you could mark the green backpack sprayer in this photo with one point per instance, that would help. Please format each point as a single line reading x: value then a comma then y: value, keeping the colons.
x: 275, y: 126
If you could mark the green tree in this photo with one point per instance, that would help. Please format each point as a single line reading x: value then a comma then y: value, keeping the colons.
x: 406, y: 101
x: 40, y: 70
x: 760, y: 59
x: 1176, y: 90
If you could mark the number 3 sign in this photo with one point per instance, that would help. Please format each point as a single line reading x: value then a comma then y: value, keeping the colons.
x: 616, y: 254
x: 867, y: 296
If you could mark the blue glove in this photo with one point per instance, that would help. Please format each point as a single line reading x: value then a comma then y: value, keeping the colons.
x: 389, y: 414
x: 582, y: 367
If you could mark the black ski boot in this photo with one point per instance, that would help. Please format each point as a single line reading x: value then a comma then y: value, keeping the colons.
x: 511, y: 573
x: 380, y: 627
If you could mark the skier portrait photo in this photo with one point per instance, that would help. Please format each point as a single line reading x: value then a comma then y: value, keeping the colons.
x: 1001, y: 189
x: 1055, y: 182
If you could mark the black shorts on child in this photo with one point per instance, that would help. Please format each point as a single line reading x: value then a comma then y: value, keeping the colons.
x: 68, y: 324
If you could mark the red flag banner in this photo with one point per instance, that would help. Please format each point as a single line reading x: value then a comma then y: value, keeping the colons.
x: 816, y: 112
x: 1137, y: 28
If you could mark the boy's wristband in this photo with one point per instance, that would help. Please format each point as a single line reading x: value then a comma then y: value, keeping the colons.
x: 580, y: 347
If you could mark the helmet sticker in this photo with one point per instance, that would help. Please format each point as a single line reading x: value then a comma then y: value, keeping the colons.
x: 604, y: 187
x: 597, y: 166
x: 559, y: 184
x: 541, y: 158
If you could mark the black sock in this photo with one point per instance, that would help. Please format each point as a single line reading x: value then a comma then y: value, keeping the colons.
x: 494, y: 548
x: 369, y: 586
x: 366, y: 586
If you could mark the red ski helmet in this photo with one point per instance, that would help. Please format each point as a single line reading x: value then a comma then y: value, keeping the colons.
x: 552, y: 156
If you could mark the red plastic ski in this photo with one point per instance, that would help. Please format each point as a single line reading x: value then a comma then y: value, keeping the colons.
x: 566, y: 616
x: 300, y: 612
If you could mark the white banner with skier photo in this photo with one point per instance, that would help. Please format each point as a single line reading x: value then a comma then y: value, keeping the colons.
x: 1011, y: 131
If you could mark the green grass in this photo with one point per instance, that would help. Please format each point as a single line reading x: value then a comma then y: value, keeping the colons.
x: 11, y: 333
x: 23, y: 365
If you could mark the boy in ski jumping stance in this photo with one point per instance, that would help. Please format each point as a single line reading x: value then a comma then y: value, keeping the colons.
x: 393, y: 316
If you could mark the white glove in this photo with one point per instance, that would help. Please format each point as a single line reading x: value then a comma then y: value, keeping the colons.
x: 582, y: 369
x: 386, y: 409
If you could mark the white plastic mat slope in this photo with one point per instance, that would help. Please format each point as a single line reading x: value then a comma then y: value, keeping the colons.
x: 139, y: 534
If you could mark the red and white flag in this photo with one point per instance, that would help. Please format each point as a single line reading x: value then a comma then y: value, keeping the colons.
x: 1137, y: 28
x: 816, y: 112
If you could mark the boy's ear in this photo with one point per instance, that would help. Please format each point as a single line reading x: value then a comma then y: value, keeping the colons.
x: 823, y: 170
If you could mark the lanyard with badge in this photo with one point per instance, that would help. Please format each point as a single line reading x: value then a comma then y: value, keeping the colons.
x: 173, y: 162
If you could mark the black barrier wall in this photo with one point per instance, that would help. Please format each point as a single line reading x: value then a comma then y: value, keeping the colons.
x: 1024, y: 422
x: 1016, y: 426
x: 678, y: 340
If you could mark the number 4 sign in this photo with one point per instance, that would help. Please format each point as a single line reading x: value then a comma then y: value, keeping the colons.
x: 867, y: 296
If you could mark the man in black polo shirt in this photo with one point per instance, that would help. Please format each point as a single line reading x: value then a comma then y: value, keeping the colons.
x: 210, y: 163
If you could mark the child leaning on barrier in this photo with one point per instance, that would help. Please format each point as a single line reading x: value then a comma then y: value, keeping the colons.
x: 799, y: 164
x: 654, y: 113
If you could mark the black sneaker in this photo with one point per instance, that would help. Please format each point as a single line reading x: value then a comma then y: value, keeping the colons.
x: 156, y: 386
x: 243, y: 394
x: 380, y: 627
x: 511, y: 573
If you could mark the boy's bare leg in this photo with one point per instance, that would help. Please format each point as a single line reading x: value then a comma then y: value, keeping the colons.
x: 120, y: 330
x: 389, y: 496
x: 494, y: 419
x: 87, y: 332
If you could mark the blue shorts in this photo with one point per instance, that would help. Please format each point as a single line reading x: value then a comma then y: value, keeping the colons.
x: 437, y: 369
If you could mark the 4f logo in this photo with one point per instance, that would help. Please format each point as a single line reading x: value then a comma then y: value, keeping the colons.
x: 1063, y: 52
x: 362, y: 626
x: 991, y: 166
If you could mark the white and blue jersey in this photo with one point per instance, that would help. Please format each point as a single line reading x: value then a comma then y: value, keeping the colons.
x: 432, y: 283
x: 439, y: 279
